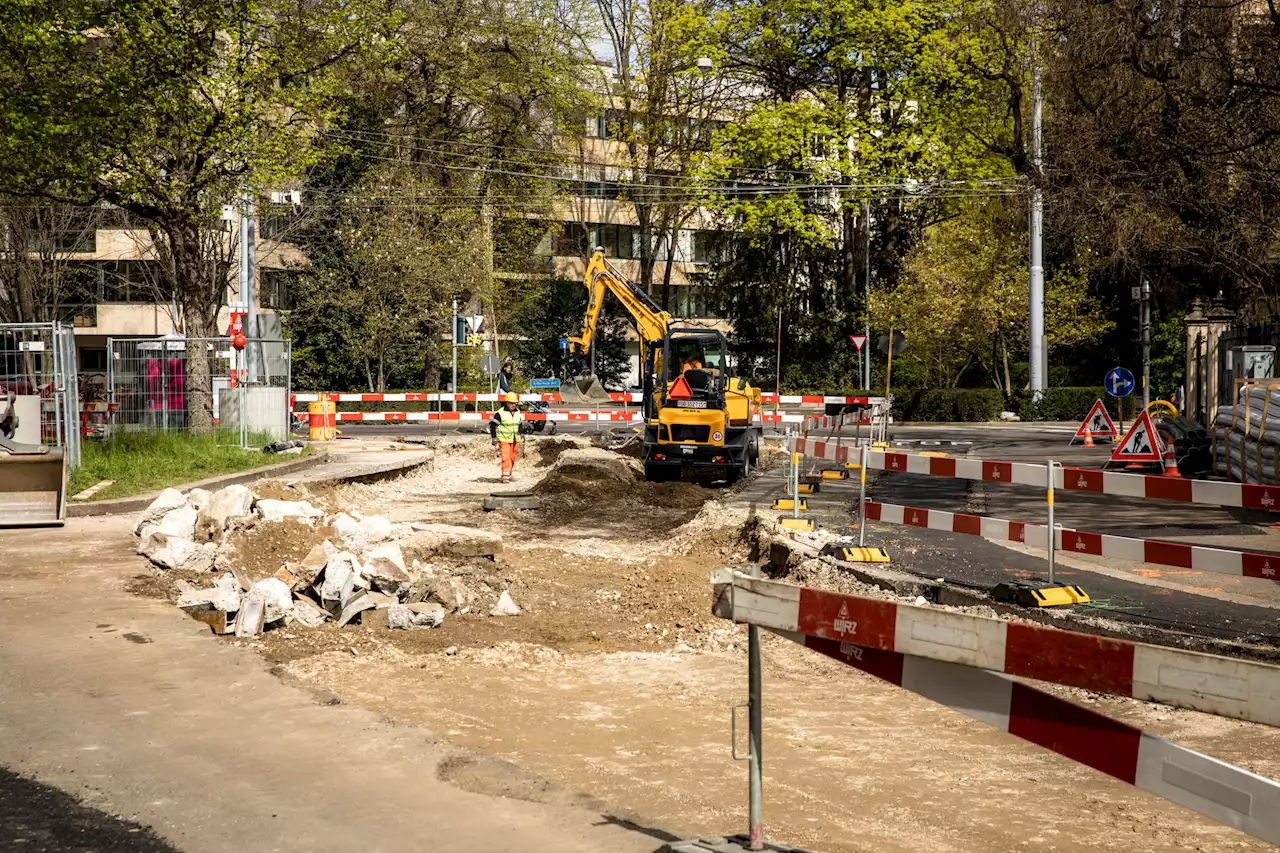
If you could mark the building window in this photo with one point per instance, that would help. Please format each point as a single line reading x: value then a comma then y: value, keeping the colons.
x: 77, y: 240
x: 619, y: 241
x: 276, y: 289
x: 691, y: 301
x: 573, y: 242
x: 709, y: 247
x: 277, y: 220
x: 93, y: 359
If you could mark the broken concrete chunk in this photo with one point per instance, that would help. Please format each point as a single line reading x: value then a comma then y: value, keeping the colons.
x: 166, y: 502
x: 384, y: 568
x: 175, y: 552
x: 506, y: 606
x: 273, y: 510
x: 223, y: 595
x: 338, y: 570
x: 309, y: 614
x: 275, y: 596
x: 363, y: 601
x: 179, y: 522
x: 197, y: 499
x: 360, y: 534
x: 415, y: 616
x: 249, y: 620
x: 445, y: 539
x: 225, y: 506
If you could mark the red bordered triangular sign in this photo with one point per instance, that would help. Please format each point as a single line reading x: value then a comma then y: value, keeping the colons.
x: 858, y: 341
x: 1141, y: 444
x: 1098, y: 423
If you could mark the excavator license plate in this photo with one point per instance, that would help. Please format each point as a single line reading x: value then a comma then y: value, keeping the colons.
x: 691, y: 404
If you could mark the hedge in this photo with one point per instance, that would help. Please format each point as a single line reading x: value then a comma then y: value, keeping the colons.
x: 1067, y: 404
x: 948, y: 405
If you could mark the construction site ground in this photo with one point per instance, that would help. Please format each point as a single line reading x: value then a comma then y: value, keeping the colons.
x: 608, y: 697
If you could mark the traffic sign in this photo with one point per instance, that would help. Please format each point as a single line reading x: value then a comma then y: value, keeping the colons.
x: 490, y: 364
x: 564, y: 343
x: 545, y: 383
x: 1141, y: 444
x: 1098, y: 423
x: 1119, y: 382
x: 899, y: 343
x: 858, y: 341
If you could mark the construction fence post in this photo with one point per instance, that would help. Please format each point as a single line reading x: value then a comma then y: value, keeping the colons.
x: 755, y: 710
x: 1051, y: 542
x: 862, y: 498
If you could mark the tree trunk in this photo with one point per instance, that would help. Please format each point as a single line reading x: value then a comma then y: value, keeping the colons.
x: 195, y: 281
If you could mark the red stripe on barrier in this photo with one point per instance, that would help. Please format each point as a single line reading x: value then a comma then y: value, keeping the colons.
x: 997, y: 472
x: 1079, y: 734
x: 1168, y: 488
x: 1260, y: 497
x: 1018, y: 532
x: 1080, y: 660
x: 877, y: 662
x: 1080, y: 480
x: 1081, y: 543
x: 861, y: 621
x: 970, y: 524
x: 370, y: 398
x: 395, y: 416
x: 1259, y: 566
x: 915, y: 517
x: 842, y: 455
x: 895, y: 461
x: 1167, y: 554
x: 942, y: 467
x: 873, y: 511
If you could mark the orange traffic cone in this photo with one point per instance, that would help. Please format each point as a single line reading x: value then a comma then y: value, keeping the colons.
x: 1088, y: 437
x: 1170, y: 460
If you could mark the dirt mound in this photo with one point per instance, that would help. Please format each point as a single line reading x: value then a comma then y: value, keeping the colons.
x: 548, y: 450
x: 675, y: 495
x: 588, y: 469
x: 259, y: 551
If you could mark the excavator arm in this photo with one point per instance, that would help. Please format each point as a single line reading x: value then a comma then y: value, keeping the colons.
x: 652, y: 322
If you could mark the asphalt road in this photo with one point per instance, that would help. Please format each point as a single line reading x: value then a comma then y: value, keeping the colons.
x: 976, y: 562
x: 36, y: 818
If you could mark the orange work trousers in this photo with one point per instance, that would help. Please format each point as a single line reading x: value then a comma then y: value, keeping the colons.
x: 508, y: 457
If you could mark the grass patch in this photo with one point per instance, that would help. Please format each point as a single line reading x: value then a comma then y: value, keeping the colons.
x: 145, y: 461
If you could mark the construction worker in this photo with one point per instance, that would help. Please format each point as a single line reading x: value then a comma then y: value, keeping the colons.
x: 504, y: 378
x: 504, y: 430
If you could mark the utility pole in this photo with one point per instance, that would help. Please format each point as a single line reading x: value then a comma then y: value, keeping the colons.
x: 249, y: 286
x: 1144, y: 320
x: 866, y: 281
x: 1038, y: 363
x: 454, y: 386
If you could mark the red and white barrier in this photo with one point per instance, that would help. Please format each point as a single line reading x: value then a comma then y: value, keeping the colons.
x: 1241, y: 689
x: 1175, y: 554
x: 567, y: 415
x: 1227, y: 794
x: 616, y: 396
x: 1155, y: 487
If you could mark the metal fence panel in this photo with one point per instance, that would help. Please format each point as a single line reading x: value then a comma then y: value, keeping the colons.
x: 147, y: 377
x: 40, y: 359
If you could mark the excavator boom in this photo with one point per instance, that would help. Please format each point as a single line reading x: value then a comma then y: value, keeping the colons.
x: 652, y: 322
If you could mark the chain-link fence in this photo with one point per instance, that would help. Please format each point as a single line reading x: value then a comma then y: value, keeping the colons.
x: 147, y: 380
x: 38, y: 364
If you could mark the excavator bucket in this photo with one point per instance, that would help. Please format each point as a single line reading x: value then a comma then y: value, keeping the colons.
x: 584, y: 390
x: 33, y: 485
x: 33, y: 478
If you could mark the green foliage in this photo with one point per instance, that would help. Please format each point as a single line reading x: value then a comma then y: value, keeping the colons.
x: 144, y: 461
x: 1072, y: 404
x: 948, y: 405
x: 546, y: 316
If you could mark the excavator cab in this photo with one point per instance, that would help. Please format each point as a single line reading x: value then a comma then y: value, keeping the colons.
x: 33, y: 478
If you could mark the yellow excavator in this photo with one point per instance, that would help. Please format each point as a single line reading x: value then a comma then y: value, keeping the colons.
x: 33, y: 478
x: 697, y: 418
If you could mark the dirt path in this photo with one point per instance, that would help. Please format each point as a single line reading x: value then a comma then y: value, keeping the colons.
x: 616, y: 681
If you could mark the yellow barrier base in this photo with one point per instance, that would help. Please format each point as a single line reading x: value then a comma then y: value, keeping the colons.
x: 1039, y: 596
x: 796, y: 524
x: 808, y: 488
x: 938, y: 454
x: 788, y: 503
x: 862, y: 555
x: 852, y: 466
x: 835, y: 475
x: 879, y: 445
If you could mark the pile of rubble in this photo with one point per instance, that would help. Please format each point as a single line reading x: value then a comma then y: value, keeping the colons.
x: 361, y: 569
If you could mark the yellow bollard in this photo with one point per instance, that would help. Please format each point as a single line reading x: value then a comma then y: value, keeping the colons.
x: 322, y: 417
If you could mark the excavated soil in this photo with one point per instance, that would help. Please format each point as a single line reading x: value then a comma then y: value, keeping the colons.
x: 261, y: 550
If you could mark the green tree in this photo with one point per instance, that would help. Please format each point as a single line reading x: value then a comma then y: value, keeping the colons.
x: 555, y: 312
x: 170, y: 109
